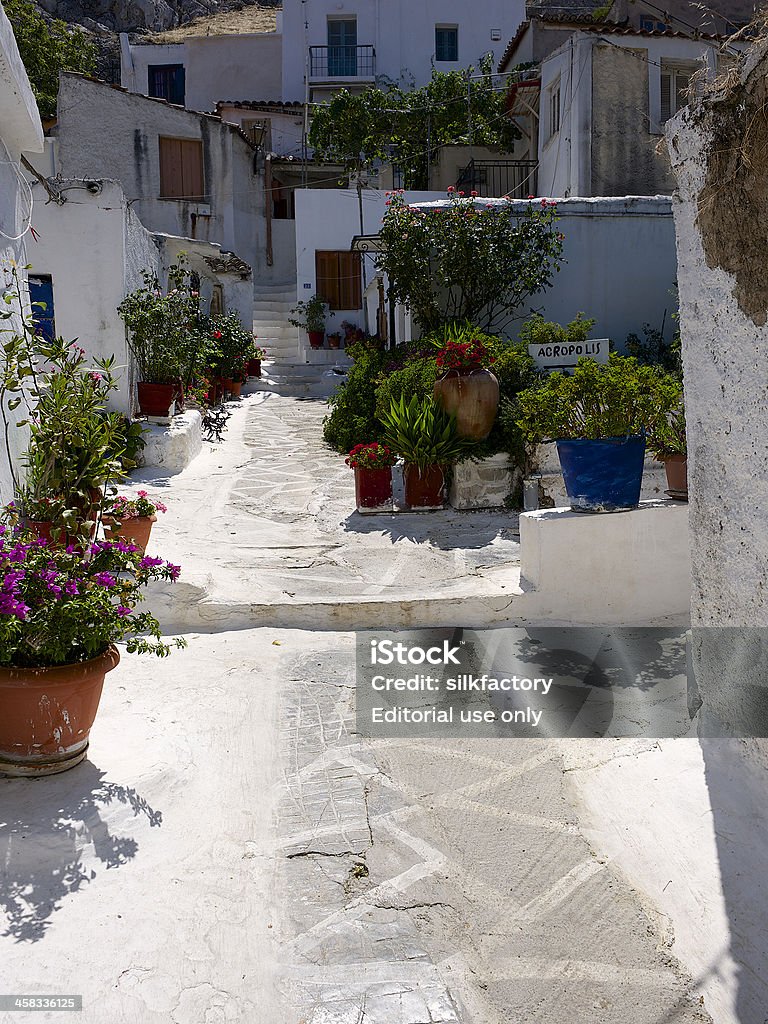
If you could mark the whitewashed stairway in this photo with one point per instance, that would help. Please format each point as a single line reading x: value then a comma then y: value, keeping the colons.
x: 272, y: 304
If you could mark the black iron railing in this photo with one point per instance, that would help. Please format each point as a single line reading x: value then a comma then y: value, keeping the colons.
x: 342, y: 62
x: 494, y: 178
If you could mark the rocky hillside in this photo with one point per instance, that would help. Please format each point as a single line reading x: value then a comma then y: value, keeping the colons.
x: 142, y: 15
x: 104, y: 19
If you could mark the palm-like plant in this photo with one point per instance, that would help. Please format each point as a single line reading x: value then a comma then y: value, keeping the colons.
x: 422, y: 433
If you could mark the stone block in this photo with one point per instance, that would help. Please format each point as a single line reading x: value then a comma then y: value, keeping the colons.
x: 175, y: 445
x: 622, y: 567
x: 482, y: 484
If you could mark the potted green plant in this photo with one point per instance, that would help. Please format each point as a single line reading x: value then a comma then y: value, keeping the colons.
x: 466, y: 388
x: 61, y: 613
x: 131, y: 519
x: 599, y: 417
x: 254, y: 361
x: 310, y: 316
x: 426, y: 437
x: 164, y: 337
x: 372, y: 464
x: 231, y: 345
x: 77, y: 447
x: 667, y: 443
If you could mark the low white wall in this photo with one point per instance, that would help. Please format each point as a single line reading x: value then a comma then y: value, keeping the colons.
x: 620, y: 262
x: 628, y: 568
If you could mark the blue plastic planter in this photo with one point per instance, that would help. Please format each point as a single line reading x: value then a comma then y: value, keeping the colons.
x: 604, y: 475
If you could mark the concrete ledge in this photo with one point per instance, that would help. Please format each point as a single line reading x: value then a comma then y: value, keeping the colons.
x: 173, y: 446
x: 624, y: 567
x: 482, y: 484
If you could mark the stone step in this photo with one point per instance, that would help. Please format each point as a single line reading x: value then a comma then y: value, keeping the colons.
x: 282, y: 306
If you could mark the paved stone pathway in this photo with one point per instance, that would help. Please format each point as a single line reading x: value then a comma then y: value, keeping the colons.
x: 274, y: 524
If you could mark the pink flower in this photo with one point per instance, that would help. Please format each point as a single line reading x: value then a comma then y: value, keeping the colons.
x: 123, y: 610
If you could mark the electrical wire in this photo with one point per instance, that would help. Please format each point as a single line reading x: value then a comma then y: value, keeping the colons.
x: 17, y: 170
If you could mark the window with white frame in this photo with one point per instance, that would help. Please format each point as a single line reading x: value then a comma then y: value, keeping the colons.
x: 553, y: 97
x: 675, y: 88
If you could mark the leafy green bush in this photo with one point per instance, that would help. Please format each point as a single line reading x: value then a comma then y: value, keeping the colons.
x: 616, y: 399
x: 352, y: 419
x: 377, y: 380
x: 653, y: 350
x: 538, y: 331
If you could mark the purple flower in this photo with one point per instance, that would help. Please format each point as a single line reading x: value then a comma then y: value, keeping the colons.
x: 104, y: 579
x: 70, y: 587
x: 174, y: 570
x: 123, y: 610
x: 148, y: 562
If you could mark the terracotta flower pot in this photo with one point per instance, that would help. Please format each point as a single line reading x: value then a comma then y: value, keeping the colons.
x: 46, y: 714
x: 472, y: 397
x: 235, y: 388
x: 156, y: 399
x: 132, y: 531
x: 316, y: 338
x: 424, y: 488
x: 676, y: 467
x: 334, y: 341
x: 373, y: 489
x: 42, y: 528
x: 254, y: 367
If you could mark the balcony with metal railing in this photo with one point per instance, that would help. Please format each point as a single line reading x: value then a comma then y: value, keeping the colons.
x: 495, y: 178
x: 333, y: 63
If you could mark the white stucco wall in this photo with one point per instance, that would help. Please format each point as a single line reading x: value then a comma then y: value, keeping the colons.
x: 220, y: 67
x: 286, y: 126
x: 620, y: 255
x: 94, y: 249
x: 726, y: 413
x: 403, y: 34
x: 20, y: 130
x: 104, y: 132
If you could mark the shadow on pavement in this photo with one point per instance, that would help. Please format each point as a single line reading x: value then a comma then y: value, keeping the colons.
x: 44, y: 826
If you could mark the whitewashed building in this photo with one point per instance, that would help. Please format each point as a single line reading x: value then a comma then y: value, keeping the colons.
x: 597, y: 93
x: 328, y: 44
x: 201, y: 70
x: 90, y: 250
x: 20, y: 131
x: 183, y: 173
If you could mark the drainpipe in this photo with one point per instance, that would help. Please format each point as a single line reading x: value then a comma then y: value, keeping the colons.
x: 268, y: 206
x: 126, y: 62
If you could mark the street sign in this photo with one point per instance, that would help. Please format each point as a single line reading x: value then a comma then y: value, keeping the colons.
x: 565, y: 355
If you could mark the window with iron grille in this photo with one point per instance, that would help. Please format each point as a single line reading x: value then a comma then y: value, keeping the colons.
x: 447, y: 42
x: 167, y: 82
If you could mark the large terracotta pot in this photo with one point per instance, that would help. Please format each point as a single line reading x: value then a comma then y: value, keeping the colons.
x: 235, y: 388
x: 676, y: 467
x: 46, y: 714
x: 373, y: 489
x: 316, y: 338
x: 254, y: 368
x: 42, y: 528
x: 132, y: 531
x: 424, y: 488
x: 156, y: 399
x: 334, y: 341
x: 472, y: 397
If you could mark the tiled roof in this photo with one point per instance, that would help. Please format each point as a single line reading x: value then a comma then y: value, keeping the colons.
x: 260, y: 104
x: 625, y: 30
